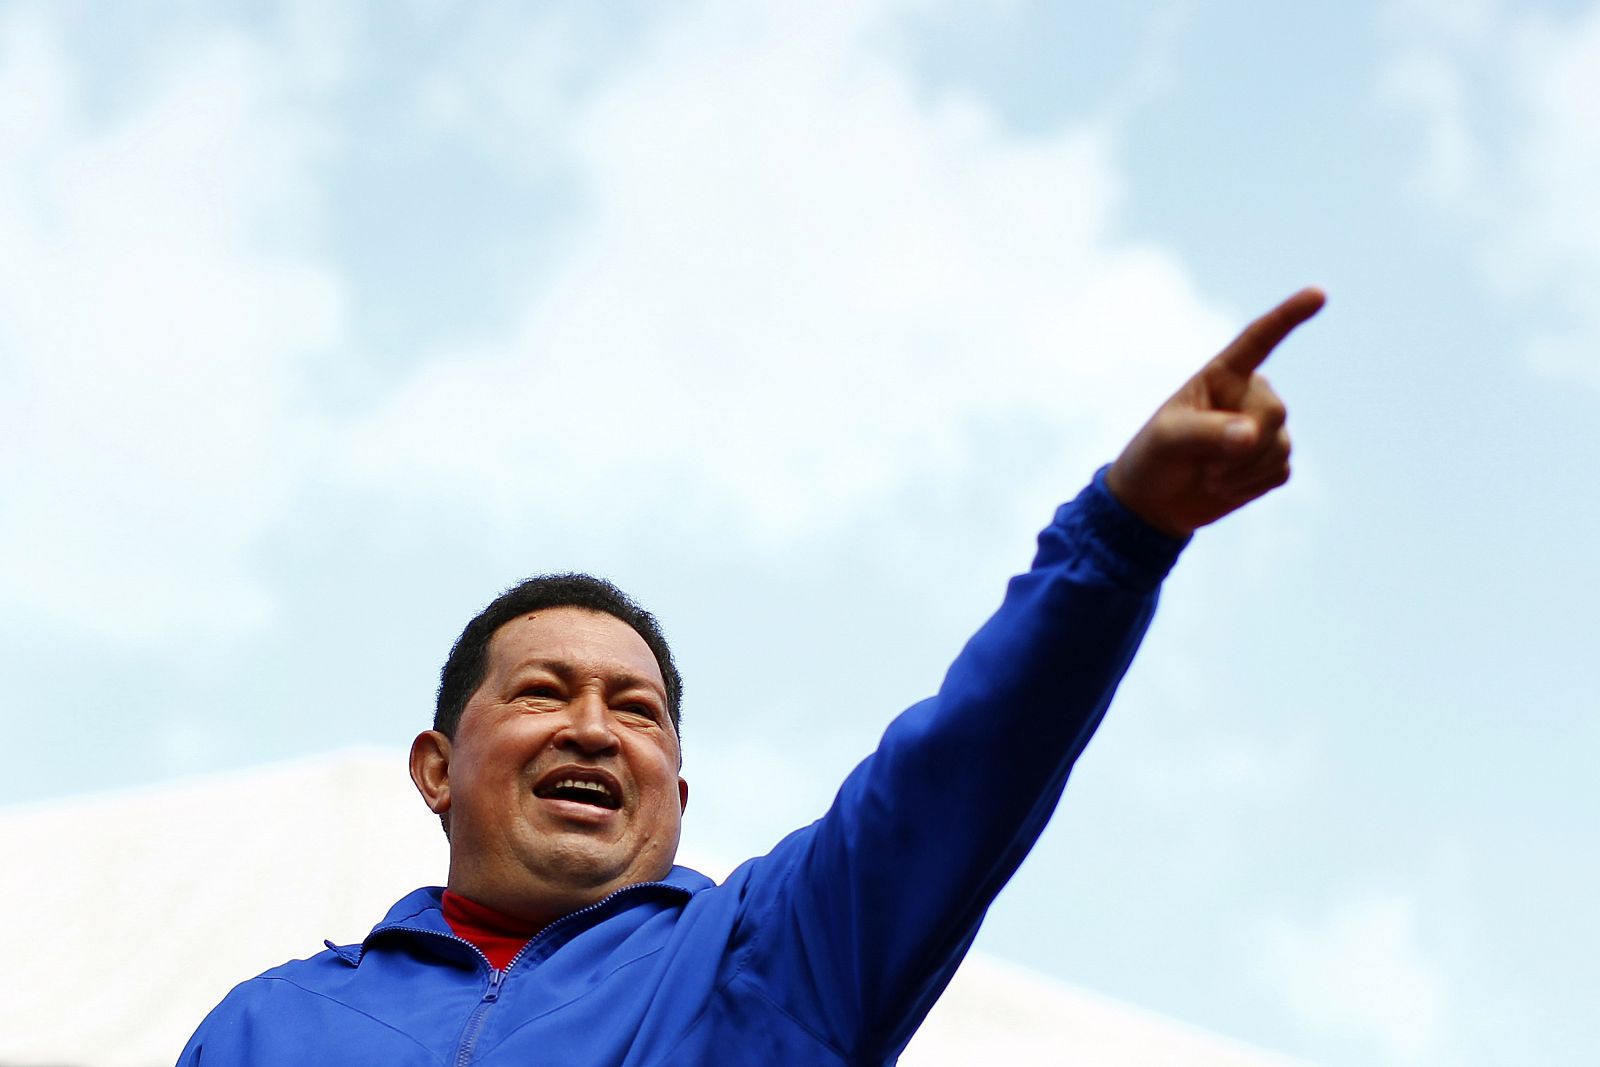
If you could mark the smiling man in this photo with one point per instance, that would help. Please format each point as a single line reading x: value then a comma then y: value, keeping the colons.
x: 566, y: 934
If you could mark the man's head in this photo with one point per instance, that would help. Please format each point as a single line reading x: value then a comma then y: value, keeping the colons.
x: 554, y: 758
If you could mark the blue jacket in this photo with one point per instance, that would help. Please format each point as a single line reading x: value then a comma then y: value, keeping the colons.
x: 830, y: 949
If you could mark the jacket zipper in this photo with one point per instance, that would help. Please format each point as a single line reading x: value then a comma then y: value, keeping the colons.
x: 469, y: 1036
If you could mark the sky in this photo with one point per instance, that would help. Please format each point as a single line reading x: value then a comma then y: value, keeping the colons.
x: 321, y: 324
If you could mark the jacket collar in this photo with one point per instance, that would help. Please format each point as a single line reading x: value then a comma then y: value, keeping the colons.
x: 420, y: 911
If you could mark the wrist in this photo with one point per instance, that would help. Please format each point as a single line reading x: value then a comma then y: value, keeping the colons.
x: 1124, y: 491
x: 1140, y: 554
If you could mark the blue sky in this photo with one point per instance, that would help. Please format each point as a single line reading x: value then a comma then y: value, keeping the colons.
x: 319, y: 325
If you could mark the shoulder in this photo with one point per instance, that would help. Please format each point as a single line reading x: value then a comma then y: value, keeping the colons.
x: 225, y: 1031
x: 269, y: 1019
x: 308, y: 974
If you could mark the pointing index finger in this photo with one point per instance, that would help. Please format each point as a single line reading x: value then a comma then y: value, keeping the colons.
x: 1251, y: 348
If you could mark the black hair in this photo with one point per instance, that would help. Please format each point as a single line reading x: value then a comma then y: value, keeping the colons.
x: 469, y: 659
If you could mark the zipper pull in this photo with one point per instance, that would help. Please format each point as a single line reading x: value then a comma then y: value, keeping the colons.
x: 494, y: 986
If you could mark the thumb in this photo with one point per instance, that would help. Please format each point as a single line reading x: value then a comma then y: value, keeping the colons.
x: 1210, y: 434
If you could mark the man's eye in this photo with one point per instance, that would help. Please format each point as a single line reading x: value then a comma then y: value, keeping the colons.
x: 541, y: 692
x: 644, y: 711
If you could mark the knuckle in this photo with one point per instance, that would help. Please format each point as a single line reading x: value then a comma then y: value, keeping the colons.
x: 1270, y: 410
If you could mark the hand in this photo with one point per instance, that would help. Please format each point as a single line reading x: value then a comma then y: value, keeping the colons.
x: 1220, y: 442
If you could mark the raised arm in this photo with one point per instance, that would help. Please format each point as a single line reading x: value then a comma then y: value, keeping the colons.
x: 856, y: 923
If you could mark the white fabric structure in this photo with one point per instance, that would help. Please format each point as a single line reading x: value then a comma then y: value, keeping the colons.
x: 216, y: 879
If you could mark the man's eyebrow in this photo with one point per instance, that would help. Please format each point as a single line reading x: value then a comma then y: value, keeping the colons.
x: 617, y: 678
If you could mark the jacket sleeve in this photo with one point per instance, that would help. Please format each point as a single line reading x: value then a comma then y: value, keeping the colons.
x: 858, y: 922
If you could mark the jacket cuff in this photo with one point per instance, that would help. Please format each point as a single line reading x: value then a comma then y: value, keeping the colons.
x: 1139, y: 554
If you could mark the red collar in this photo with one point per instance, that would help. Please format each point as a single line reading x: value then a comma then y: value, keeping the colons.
x: 497, y: 935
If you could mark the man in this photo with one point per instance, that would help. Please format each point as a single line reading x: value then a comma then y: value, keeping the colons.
x: 566, y: 934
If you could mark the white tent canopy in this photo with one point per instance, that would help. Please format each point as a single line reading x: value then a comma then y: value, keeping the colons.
x: 136, y: 911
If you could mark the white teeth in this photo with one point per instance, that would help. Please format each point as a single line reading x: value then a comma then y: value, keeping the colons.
x: 573, y: 783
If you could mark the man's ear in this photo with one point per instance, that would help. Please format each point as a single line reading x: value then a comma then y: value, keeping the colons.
x: 430, y: 770
x: 683, y: 794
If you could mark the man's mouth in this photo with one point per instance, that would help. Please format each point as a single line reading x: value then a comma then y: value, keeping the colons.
x: 582, y: 787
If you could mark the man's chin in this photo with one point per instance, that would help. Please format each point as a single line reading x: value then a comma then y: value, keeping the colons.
x: 576, y: 861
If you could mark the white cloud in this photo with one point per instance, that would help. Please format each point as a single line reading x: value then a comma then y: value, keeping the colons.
x: 1360, y: 973
x: 1509, y: 104
x: 152, y: 316
x: 799, y: 285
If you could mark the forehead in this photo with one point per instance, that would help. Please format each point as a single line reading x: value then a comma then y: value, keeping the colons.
x: 575, y: 637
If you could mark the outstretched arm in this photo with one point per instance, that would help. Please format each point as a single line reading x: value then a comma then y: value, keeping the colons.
x: 855, y: 924
x: 1220, y: 441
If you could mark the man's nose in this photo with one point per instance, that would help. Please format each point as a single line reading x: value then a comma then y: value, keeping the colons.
x: 588, y: 727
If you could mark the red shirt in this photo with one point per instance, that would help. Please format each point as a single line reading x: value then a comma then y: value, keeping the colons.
x: 498, y: 936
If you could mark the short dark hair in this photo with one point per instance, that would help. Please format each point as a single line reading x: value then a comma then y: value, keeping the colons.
x: 469, y: 659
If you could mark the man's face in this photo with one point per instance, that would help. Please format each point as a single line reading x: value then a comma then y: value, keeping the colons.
x: 563, y: 773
